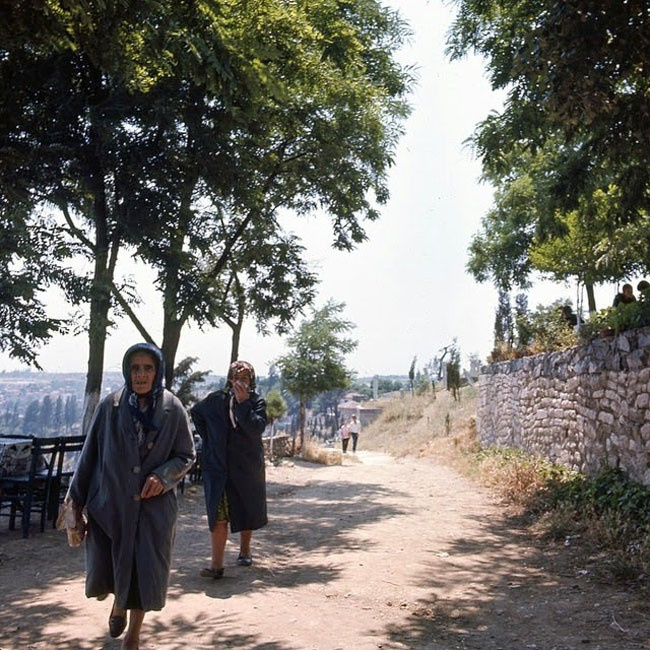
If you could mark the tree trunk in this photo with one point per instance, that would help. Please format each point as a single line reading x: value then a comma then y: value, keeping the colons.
x: 172, y: 328
x: 234, y: 341
x: 174, y: 318
x: 105, y: 251
x: 100, y: 304
x: 302, y: 426
x: 591, y: 299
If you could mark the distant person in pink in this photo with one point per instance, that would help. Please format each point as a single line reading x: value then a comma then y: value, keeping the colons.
x: 344, y: 432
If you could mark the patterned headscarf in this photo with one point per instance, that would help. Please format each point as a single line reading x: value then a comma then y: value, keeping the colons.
x: 241, y: 369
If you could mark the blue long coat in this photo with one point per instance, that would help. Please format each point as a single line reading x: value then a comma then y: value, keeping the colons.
x: 232, y: 458
x: 108, y: 481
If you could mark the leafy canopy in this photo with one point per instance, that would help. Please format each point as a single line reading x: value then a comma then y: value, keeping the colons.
x: 574, y: 129
x: 316, y: 361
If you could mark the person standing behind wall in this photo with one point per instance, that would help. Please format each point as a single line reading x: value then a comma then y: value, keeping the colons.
x: 625, y: 297
x: 355, y: 429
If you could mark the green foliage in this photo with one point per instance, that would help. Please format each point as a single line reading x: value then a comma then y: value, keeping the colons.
x: 316, y: 362
x: 503, y: 321
x: 567, y: 155
x: 29, y: 263
x: 412, y: 375
x: 572, y: 70
x: 177, y: 131
x: 186, y: 380
x: 548, y: 330
x: 608, y: 510
x: 524, y: 333
x: 543, y: 330
x: 276, y: 405
x: 453, y: 371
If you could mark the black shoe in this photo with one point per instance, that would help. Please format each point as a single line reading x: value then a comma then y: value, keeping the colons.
x: 244, y: 560
x: 116, y: 624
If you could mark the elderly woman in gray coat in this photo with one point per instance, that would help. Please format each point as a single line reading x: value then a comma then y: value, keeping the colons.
x: 137, y: 449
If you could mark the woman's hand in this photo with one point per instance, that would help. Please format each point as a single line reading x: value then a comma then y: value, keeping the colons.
x: 241, y: 391
x: 152, y: 487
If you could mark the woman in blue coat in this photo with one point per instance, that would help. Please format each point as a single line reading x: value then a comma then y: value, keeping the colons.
x: 231, y: 422
x: 138, y: 447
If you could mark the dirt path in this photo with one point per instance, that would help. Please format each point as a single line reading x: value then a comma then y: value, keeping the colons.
x: 376, y: 553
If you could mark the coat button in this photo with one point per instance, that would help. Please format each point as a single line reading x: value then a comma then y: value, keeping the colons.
x: 136, y: 497
x: 136, y: 469
x: 150, y: 445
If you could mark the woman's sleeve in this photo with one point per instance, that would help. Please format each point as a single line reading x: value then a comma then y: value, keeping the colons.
x: 251, y: 414
x: 198, y: 418
x: 182, y: 455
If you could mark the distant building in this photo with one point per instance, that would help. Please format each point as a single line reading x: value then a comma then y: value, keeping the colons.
x: 365, y: 414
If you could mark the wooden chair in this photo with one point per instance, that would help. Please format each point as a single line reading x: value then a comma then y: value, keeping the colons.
x: 66, y: 462
x: 29, y: 492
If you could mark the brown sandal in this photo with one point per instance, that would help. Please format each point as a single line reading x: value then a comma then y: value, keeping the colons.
x: 215, y: 574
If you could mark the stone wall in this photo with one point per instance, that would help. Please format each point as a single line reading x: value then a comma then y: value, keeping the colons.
x: 585, y: 407
x: 282, y: 446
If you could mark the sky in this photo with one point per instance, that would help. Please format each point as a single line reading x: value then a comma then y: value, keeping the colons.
x: 405, y: 289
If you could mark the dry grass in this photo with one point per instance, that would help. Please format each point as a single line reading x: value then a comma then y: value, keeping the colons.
x: 321, y: 455
x: 424, y: 425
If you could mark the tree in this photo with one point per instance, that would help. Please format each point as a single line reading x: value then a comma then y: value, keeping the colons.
x: 276, y: 407
x: 522, y: 321
x: 316, y: 362
x: 269, y: 281
x: 45, y: 415
x: 453, y: 371
x: 25, y: 271
x: 58, y: 415
x: 412, y: 376
x: 503, y: 325
x: 568, y: 136
x: 71, y: 412
x: 575, y: 71
x: 528, y: 230
x: 140, y: 110
x: 186, y: 380
x: 31, y: 418
x: 321, y: 137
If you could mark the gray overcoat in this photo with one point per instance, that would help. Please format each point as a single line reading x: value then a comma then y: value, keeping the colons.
x: 108, y: 480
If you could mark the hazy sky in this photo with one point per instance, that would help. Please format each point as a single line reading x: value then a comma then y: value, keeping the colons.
x: 406, y: 288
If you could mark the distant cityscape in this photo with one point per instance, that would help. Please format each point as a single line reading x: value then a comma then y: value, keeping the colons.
x: 42, y: 403
x: 50, y: 404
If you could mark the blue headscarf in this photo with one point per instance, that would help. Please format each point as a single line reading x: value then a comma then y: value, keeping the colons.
x: 155, y: 352
x: 144, y: 417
